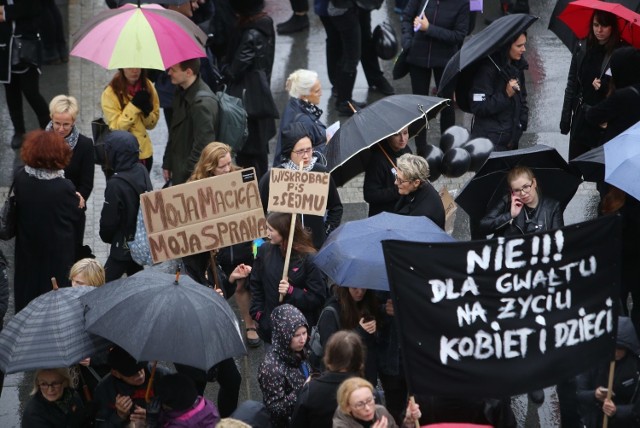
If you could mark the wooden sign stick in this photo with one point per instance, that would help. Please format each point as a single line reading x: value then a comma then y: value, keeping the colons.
x: 612, y: 369
x: 287, y: 258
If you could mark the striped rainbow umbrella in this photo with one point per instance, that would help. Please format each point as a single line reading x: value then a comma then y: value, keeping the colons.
x: 147, y: 36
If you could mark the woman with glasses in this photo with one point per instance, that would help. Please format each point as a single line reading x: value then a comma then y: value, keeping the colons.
x: 523, y: 210
x: 357, y: 408
x: 297, y: 148
x: 64, y: 112
x: 417, y: 195
x: 53, y: 401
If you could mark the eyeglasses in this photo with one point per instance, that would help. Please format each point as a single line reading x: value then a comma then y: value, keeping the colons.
x: 52, y: 385
x: 303, y: 152
x: 401, y: 181
x: 65, y: 126
x: 523, y: 191
x: 366, y: 403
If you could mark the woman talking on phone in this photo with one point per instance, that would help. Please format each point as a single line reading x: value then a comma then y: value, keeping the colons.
x: 523, y: 210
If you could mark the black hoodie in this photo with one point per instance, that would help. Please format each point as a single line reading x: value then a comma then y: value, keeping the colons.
x: 122, y: 195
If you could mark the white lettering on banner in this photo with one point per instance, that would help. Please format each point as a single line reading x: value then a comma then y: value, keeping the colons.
x: 588, y: 327
x: 482, y: 345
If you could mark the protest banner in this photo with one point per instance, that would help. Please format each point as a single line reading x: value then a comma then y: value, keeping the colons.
x: 203, y: 215
x: 298, y: 192
x: 502, y: 317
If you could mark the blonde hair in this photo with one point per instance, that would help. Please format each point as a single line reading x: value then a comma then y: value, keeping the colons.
x: 64, y: 104
x: 209, y: 159
x: 347, y: 388
x: 67, y: 380
x: 413, y: 167
x: 299, y: 82
x: 92, y: 271
x: 231, y: 423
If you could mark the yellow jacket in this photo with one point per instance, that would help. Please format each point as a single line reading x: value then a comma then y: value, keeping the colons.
x: 130, y: 118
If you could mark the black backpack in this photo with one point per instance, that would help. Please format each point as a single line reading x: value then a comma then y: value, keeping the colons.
x: 316, y: 350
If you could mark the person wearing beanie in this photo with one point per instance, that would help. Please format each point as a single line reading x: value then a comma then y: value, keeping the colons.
x: 181, y: 404
x: 296, y: 148
x: 621, y: 109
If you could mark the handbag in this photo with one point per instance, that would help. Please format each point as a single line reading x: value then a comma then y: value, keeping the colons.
x: 26, y: 50
x: 581, y: 129
x: 139, y: 246
x: 400, y: 66
x: 257, y: 97
x: 8, y: 216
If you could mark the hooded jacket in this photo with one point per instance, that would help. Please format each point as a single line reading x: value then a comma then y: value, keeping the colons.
x: 122, y: 195
x: 283, y: 372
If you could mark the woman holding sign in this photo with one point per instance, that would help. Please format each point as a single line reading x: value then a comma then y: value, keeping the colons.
x: 304, y: 287
x: 297, y: 148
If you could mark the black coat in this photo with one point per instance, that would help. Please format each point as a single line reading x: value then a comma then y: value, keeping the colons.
x: 448, y: 26
x: 498, y: 117
x: 308, y: 293
x: 379, y: 179
x: 547, y: 216
x: 320, y: 226
x: 317, y: 401
x: 81, y: 168
x: 424, y: 201
x: 42, y: 413
x: 619, y: 111
x: 47, y: 219
x: 27, y: 15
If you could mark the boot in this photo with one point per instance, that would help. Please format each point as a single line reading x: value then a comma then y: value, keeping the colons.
x: 295, y: 24
x: 344, y: 87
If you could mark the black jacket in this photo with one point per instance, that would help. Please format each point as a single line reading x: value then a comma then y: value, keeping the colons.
x: 619, y: 111
x: 27, y: 15
x: 496, y: 116
x: 448, y: 26
x: 379, y: 179
x: 81, y: 168
x: 320, y: 226
x: 42, y: 413
x: 122, y: 195
x: 317, y: 401
x: 308, y: 292
x: 424, y: 201
x: 547, y: 216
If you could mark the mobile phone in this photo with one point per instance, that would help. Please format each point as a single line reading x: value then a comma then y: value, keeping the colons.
x: 368, y: 318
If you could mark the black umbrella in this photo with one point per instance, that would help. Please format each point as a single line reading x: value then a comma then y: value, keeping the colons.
x: 348, y: 150
x: 555, y: 178
x: 563, y: 31
x: 459, y: 71
x: 590, y: 164
x: 154, y: 316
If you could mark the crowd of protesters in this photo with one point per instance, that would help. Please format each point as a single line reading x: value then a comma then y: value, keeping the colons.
x: 361, y: 368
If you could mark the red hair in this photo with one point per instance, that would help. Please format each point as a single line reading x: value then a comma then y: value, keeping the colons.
x: 45, y: 150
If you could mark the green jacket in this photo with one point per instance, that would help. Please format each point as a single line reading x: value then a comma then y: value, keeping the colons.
x: 195, y: 111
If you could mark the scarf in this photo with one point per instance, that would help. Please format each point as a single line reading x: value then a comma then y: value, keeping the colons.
x: 66, y: 402
x: 312, y: 109
x: 71, y: 139
x: 44, y: 174
x: 290, y: 165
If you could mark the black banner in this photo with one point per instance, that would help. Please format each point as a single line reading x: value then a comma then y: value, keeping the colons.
x: 502, y: 317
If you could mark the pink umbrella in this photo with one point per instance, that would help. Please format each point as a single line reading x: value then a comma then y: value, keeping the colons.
x: 147, y: 36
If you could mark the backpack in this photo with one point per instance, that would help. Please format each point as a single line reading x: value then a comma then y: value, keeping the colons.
x: 232, y: 120
x: 316, y: 349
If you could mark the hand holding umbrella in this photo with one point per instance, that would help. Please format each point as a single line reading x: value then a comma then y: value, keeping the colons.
x: 419, y: 21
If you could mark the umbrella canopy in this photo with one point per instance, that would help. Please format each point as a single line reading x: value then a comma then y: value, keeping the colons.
x: 590, y: 164
x: 154, y: 317
x: 577, y: 15
x: 49, y: 332
x: 554, y: 176
x: 622, y: 161
x: 347, y: 151
x: 352, y: 255
x: 564, y: 33
x: 149, y: 36
x: 459, y: 71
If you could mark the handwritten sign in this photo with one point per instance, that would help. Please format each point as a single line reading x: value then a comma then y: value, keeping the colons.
x: 301, y: 192
x: 203, y: 215
x: 502, y: 317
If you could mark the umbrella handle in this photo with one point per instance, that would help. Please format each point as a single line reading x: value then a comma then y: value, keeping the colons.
x: 147, y: 395
x: 54, y: 283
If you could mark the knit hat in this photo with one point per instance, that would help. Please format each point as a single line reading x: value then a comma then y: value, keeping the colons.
x: 247, y: 7
x: 120, y: 360
x: 290, y: 136
x: 177, y: 391
x: 625, y: 63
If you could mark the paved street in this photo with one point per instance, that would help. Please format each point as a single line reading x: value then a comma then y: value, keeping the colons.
x: 549, y: 62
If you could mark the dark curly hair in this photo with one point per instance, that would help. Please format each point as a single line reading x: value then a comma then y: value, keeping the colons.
x: 45, y: 150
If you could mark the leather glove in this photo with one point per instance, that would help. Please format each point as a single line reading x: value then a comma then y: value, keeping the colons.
x: 153, y: 413
x: 565, y: 127
x: 142, y: 100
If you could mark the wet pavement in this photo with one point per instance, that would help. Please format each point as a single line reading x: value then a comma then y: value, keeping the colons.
x: 549, y: 62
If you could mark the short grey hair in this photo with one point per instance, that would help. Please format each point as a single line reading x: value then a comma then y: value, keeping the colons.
x: 299, y: 82
x: 413, y: 167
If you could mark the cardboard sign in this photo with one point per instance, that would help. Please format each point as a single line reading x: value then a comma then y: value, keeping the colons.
x: 203, y: 215
x: 450, y: 209
x: 502, y: 317
x: 300, y: 192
